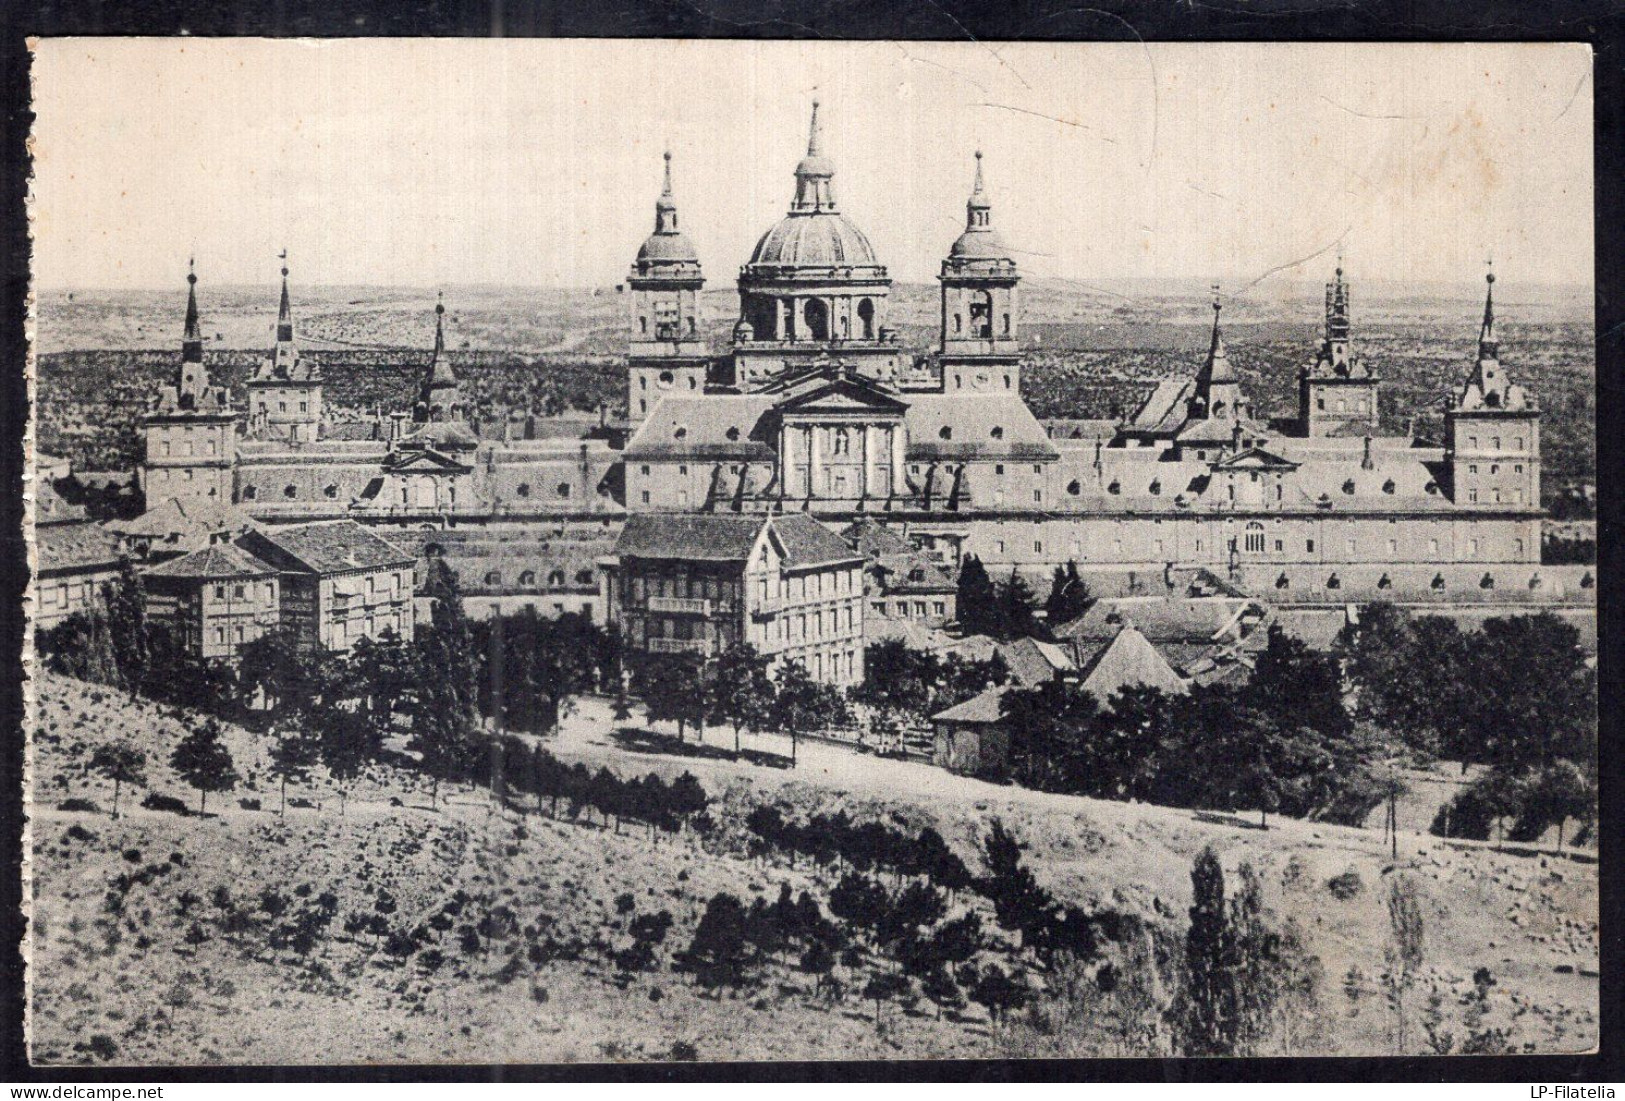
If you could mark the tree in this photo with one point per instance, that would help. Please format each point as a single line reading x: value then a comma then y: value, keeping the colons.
x: 883, y: 986
x: 738, y: 689
x: 1561, y: 791
x: 445, y: 704
x: 1051, y: 737
x: 939, y: 986
x: 81, y: 646
x: 127, y: 627
x: 343, y: 750
x: 801, y: 703
x: 818, y: 961
x: 1069, y: 596
x: 998, y: 992
x: 1016, y: 609
x: 1404, y: 952
x: 121, y: 762
x: 274, y: 671
x: 294, y: 752
x: 720, y: 952
x: 203, y: 761
x: 1204, y: 1012
x: 1019, y: 903
x: 1297, y: 686
x: 670, y: 687
x: 977, y: 601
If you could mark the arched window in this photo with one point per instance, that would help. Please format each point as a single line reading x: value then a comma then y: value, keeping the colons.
x: 1388, y: 487
x: 1006, y: 324
x: 524, y: 489
x: 1348, y: 487
x: 866, y: 318
x: 666, y: 378
x: 330, y: 491
x: 946, y: 432
x: 1115, y: 488
x: 733, y: 432
x: 555, y: 580
x: 1334, y: 582
x: 1074, y: 488
x: 1255, y: 538
x: 816, y: 315
x: 493, y: 577
x: 997, y: 432
x: 583, y: 577
x: 1438, y: 582
x: 528, y: 578
x: 290, y: 492
x: 1156, y: 488
x: 843, y: 442
x: 680, y: 432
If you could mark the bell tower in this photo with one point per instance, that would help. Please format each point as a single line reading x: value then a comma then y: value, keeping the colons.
x: 979, y: 348
x: 285, y: 393
x: 190, y: 426
x: 667, y: 354
x: 1492, y: 431
x: 1337, y: 391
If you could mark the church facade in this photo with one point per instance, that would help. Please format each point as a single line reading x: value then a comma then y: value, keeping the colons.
x: 815, y: 406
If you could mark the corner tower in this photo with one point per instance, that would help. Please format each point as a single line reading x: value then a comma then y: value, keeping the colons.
x: 666, y: 354
x: 190, y: 426
x: 1492, y: 431
x: 285, y: 393
x: 1337, y: 393
x: 979, y: 315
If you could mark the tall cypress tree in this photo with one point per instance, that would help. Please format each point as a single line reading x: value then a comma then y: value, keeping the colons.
x: 978, y: 610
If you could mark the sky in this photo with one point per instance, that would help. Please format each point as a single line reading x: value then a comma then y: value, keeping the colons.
x: 444, y: 162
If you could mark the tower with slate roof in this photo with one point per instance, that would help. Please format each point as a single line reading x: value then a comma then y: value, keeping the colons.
x: 190, y: 427
x: 285, y: 393
x: 1492, y: 430
x: 1337, y: 393
x: 667, y: 354
x: 979, y: 320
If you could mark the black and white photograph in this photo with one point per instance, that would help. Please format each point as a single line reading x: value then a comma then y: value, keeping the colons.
x: 691, y: 551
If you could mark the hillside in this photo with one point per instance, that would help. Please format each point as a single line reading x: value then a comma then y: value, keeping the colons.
x: 153, y: 934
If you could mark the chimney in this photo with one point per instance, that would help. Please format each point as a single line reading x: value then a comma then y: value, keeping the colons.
x: 603, y: 414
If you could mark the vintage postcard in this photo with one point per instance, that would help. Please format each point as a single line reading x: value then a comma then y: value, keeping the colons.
x: 632, y: 551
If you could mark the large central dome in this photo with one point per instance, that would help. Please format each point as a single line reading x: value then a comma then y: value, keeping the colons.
x: 814, y: 234
x: 824, y: 239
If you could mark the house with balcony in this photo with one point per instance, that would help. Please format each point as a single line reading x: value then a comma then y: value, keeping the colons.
x: 340, y: 582
x: 701, y: 583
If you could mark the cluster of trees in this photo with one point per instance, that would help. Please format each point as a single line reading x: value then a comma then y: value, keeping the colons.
x: 917, y: 946
x: 1008, y: 609
x: 737, y: 689
x: 1517, y: 696
x: 1241, y: 975
x: 866, y: 846
x: 1283, y: 742
x: 903, y: 686
x: 514, y: 766
x: 529, y: 666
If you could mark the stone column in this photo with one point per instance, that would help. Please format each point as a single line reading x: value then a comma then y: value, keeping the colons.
x: 897, y: 446
x: 815, y: 461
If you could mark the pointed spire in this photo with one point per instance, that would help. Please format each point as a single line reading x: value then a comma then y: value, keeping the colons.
x: 1216, y: 347
x: 284, y: 313
x: 815, y: 134
x: 440, y: 324
x: 1216, y: 381
x: 666, y: 205
x: 192, y: 336
x: 1488, y: 346
x: 977, y: 207
x: 814, y: 190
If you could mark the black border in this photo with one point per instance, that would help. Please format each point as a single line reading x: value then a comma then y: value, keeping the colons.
x: 1599, y: 22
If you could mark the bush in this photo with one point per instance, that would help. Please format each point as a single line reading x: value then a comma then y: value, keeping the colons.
x: 1346, y: 886
x: 157, y: 801
x: 85, y: 805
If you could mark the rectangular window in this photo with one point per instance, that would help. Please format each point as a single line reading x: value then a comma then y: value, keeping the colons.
x: 1308, y: 546
x: 1472, y: 495
x: 646, y: 496
x: 1393, y: 546
x: 1038, y: 496
x: 682, y: 498
x: 1517, y: 547
x: 1472, y: 548
x: 1517, y: 468
x: 1517, y: 443
x: 1351, y: 546
x: 1433, y: 546
x: 1038, y: 547
x: 220, y: 634
x: 1280, y: 545
x: 645, y: 470
x: 237, y: 591
x: 304, y: 407
x: 999, y: 546
x: 1037, y: 469
x: 998, y: 468
x: 1472, y: 468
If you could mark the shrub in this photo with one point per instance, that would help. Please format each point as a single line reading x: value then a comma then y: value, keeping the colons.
x: 157, y: 801
x: 85, y: 805
x: 1346, y: 886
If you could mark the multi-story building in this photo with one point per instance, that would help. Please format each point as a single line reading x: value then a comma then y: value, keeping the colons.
x: 213, y: 601
x: 75, y: 558
x: 815, y: 406
x: 699, y: 584
x: 340, y: 582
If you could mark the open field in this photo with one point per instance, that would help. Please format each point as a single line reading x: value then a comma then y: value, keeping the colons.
x: 150, y: 932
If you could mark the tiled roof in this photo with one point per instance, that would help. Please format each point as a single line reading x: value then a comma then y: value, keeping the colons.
x: 443, y: 434
x: 335, y: 546
x: 1165, y: 410
x: 216, y: 560
x: 1032, y: 662
x: 806, y: 542
x: 985, y: 708
x: 1128, y: 659
x: 181, y: 518
x: 702, y: 537
x: 703, y: 425
x: 981, y: 426
x: 74, y: 546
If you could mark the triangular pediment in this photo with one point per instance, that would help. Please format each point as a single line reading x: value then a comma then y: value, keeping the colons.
x: 424, y: 461
x: 845, y: 395
x: 1255, y: 458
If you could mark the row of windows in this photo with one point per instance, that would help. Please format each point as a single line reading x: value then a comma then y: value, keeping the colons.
x: 186, y: 448
x: 1495, y: 468
x: 240, y: 590
x: 555, y: 579
x: 809, y: 626
x: 1254, y: 542
x: 562, y: 489
x: 1495, y: 443
x: 282, y: 407
x: 1360, y: 405
x: 903, y: 609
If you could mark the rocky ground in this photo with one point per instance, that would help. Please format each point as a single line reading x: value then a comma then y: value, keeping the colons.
x: 150, y: 943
